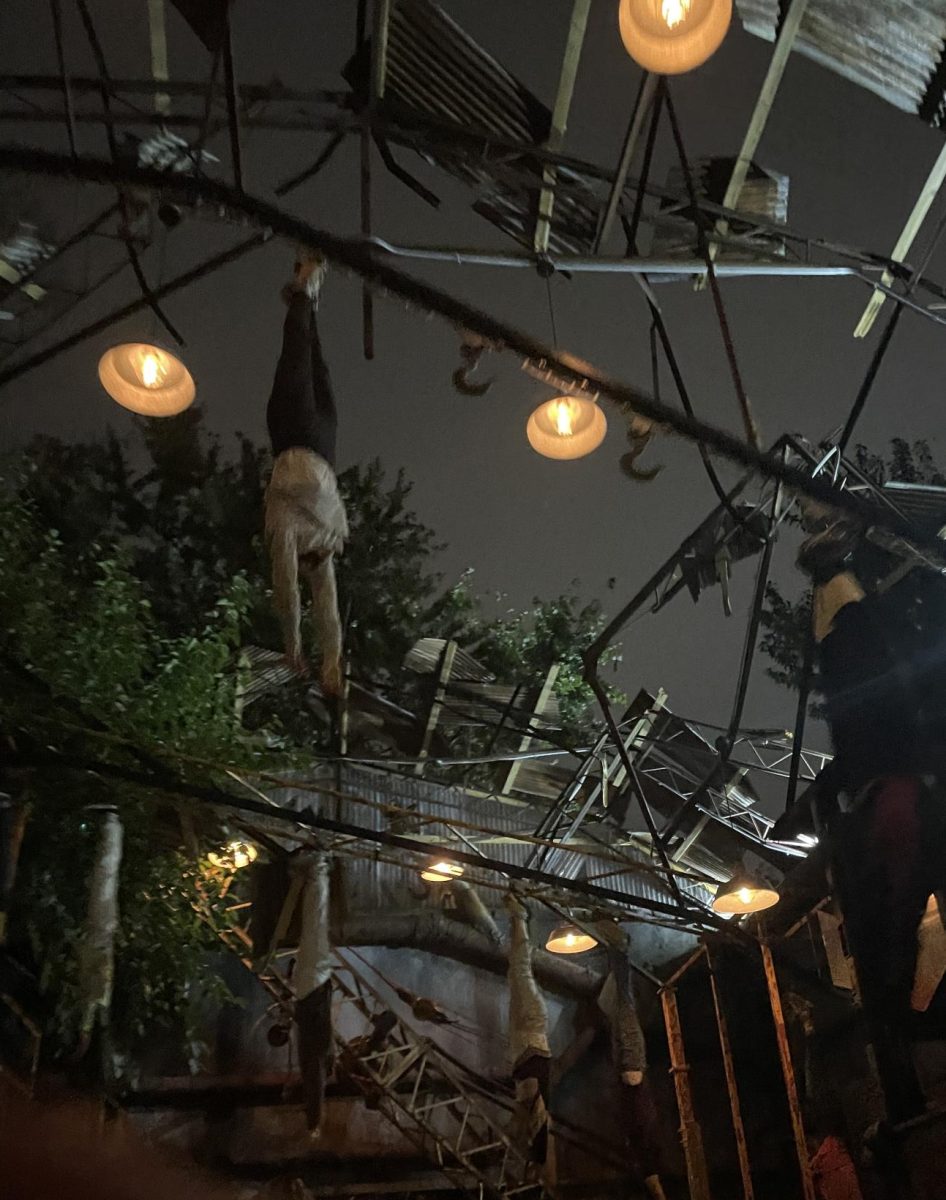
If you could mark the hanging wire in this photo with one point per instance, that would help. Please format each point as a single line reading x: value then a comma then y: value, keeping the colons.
x: 548, y: 293
x: 658, y: 325
x: 748, y: 419
x: 105, y: 92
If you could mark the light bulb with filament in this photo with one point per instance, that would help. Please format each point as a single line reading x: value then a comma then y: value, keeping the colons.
x: 743, y: 895
x: 233, y: 856
x: 563, y: 415
x: 566, y: 427
x: 569, y: 939
x: 674, y: 11
x: 150, y: 368
x: 146, y: 379
x: 669, y: 37
x: 441, y: 872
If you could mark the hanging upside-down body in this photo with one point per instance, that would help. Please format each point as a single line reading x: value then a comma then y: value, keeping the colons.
x: 306, y: 524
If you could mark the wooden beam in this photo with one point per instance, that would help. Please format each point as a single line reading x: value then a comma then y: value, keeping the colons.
x: 691, y: 1136
x: 643, y: 106
x: 563, y: 101
x: 158, y: 38
x: 446, y: 666
x: 732, y: 1086
x: 545, y: 695
x: 788, y: 1073
x: 924, y: 202
x: 760, y: 114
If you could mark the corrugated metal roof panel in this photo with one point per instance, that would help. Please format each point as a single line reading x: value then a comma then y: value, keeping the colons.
x: 894, y: 48
x: 436, y: 69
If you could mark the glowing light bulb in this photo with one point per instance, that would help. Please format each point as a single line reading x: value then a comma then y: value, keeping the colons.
x: 146, y: 379
x: 563, y: 417
x: 149, y: 370
x: 674, y: 11
x: 741, y: 896
x: 669, y: 37
x: 441, y: 872
x: 569, y: 939
x: 566, y: 427
x: 233, y: 856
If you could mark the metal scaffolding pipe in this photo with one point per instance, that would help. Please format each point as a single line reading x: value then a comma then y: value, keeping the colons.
x: 364, y: 261
x: 601, y: 265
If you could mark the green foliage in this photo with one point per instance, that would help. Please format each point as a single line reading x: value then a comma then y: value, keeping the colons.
x: 785, y: 621
x: 388, y: 594
x: 522, y: 645
x: 130, y: 594
x: 83, y: 624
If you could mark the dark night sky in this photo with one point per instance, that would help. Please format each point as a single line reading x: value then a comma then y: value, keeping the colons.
x: 527, y: 525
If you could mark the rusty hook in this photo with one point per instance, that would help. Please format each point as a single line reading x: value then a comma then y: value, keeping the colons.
x: 638, y: 443
x: 470, y: 354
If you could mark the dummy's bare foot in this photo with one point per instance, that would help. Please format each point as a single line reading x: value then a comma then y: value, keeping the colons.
x: 307, y: 275
x: 309, y: 271
x: 331, y: 678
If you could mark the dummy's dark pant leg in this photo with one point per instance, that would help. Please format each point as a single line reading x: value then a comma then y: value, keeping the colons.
x: 301, y: 412
x: 884, y: 879
x: 643, y: 1128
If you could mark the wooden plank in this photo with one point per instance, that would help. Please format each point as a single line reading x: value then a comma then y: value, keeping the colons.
x: 788, y: 1073
x: 691, y: 1136
x: 760, y: 114
x: 924, y: 202
x: 446, y: 666
x: 563, y: 101
x: 839, y: 964
x: 545, y: 696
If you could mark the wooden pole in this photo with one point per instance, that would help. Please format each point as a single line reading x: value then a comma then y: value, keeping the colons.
x: 691, y: 1136
x: 788, y: 1071
x: 735, y: 1107
x: 563, y: 101
x: 12, y: 828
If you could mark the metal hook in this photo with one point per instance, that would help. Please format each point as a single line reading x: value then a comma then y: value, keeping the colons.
x: 638, y: 443
x: 471, y: 354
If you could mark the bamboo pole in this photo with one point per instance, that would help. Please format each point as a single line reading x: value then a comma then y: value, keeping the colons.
x: 732, y: 1087
x: 788, y: 1071
x: 691, y: 1136
x: 12, y: 827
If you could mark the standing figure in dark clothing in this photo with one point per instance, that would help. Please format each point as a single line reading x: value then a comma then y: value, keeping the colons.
x: 306, y: 524
x: 882, y: 658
